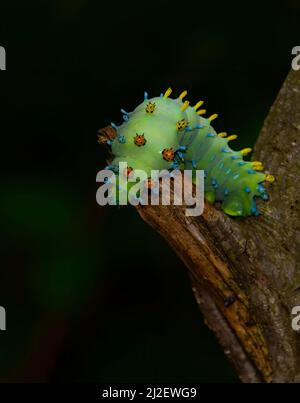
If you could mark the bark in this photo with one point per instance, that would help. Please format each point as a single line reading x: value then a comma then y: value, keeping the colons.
x: 245, y: 272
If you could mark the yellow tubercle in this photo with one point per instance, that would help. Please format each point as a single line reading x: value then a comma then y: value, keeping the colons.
x: 168, y: 93
x: 182, y: 95
x: 184, y: 105
x: 198, y: 104
x: 201, y: 112
x: 257, y: 165
x: 213, y: 117
x: 246, y: 151
x: 269, y: 178
x: 232, y: 137
x: 222, y: 134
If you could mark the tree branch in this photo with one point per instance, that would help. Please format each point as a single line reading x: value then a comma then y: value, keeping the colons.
x: 245, y: 272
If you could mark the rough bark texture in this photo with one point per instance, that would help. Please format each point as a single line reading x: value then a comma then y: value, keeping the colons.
x: 245, y: 272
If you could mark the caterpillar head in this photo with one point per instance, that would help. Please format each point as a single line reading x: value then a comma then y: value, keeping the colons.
x: 150, y: 135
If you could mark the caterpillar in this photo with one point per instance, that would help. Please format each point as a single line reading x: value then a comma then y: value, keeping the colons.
x: 166, y: 133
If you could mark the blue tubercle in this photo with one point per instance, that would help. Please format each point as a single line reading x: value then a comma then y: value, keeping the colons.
x: 121, y: 139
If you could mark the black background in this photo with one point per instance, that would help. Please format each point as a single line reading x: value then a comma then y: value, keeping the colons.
x: 91, y: 293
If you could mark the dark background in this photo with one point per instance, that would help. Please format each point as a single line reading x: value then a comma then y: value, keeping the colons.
x: 91, y: 293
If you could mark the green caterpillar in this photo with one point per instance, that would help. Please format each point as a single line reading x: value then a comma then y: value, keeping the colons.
x: 164, y: 133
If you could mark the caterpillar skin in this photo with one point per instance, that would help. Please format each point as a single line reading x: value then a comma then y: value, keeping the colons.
x: 165, y: 133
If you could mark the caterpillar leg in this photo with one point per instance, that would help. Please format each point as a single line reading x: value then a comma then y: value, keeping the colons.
x: 210, y: 197
x: 233, y: 206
